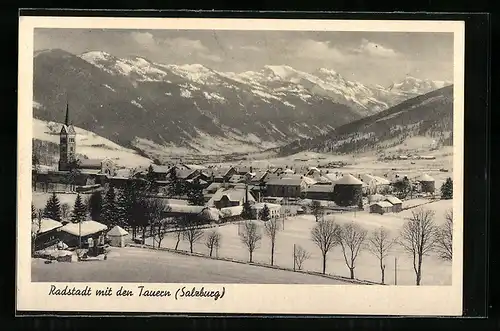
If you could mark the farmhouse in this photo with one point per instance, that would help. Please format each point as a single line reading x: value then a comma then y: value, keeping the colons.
x: 230, y: 197
x: 381, y: 207
x: 72, y: 232
x: 274, y: 210
x: 221, y: 175
x: 45, y: 231
x: 286, y: 187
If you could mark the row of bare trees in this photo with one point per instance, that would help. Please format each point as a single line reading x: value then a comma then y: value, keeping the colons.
x: 419, y: 236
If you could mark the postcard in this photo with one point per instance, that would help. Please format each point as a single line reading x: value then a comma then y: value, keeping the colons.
x: 245, y: 166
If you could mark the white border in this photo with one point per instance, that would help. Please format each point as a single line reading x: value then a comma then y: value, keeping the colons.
x: 255, y: 299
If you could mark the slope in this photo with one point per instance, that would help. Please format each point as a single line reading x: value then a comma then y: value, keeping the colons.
x: 429, y: 115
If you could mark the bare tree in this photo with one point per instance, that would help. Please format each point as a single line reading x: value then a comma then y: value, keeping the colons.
x: 300, y: 255
x: 418, y: 238
x: 251, y: 237
x: 65, y: 208
x: 317, y: 209
x: 213, y: 241
x: 36, y: 226
x: 271, y: 227
x: 179, y: 224
x: 192, y: 233
x: 444, y: 245
x: 379, y: 244
x: 325, y: 236
x: 351, y: 238
x: 154, y: 210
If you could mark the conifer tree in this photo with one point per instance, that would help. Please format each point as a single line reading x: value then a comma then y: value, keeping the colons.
x: 109, y: 207
x: 95, y: 206
x: 79, y: 213
x: 246, y: 213
x: 195, y: 193
x: 265, y: 214
x: 447, y: 189
x: 53, y: 208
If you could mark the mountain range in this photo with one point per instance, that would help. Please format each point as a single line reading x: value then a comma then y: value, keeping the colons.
x: 167, y: 109
x: 425, y: 117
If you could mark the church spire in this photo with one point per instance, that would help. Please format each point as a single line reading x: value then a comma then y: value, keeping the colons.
x: 66, y: 122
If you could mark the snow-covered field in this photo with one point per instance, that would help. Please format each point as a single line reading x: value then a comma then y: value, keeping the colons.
x: 297, y: 230
x: 90, y: 144
x: 139, y: 265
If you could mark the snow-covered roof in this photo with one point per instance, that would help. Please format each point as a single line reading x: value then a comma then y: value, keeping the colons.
x: 117, y: 231
x: 376, y: 197
x: 332, y: 177
x: 348, y: 179
x: 211, y: 214
x: 286, y: 181
x: 289, y: 171
x: 47, y: 224
x: 260, y: 205
x: 160, y: 169
x: 68, y: 129
x: 231, y: 211
x: 86, y: 227
x: 381, y: 180
x: 181, y: 173
x: 233, y: 194
x: 184, y: 209
x: 195, y: 166
x: 393, y: 200
x: 426, y: 178
x: 213, y: 187
x: 383, y: 204
x: 309, y: 180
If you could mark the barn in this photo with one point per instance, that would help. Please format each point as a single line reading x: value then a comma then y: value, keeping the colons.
x: 381, y: 207
x: 427, y: 184
x: 397, y: 205
x: 347, y: 191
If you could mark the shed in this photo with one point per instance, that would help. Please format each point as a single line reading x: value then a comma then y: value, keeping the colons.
x: 117, y: 236
x: 381, y: 207
x: 72, y: 232
x: 397, y: 205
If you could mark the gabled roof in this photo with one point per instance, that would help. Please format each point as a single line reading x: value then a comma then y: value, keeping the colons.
x: 348, y: 179
x: 184, y: 173
x: 231, y: 211
x: 383, y: 204
x: 45, y: 225
x: 213, y: 187
x: 117, y: 232
x: 87, y: 228
x: 195, y: 167
x: 69, y: 129
x: 393, y: 200
x: 160, y: 169
x: 233, y: 194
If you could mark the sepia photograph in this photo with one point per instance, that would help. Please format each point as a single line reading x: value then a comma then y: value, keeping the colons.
x: 242, y: 154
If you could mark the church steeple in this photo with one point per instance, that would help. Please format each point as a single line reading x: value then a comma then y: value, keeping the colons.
x: 66, y: 121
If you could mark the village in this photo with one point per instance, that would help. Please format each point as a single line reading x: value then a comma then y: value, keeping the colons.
x: 91, y: 210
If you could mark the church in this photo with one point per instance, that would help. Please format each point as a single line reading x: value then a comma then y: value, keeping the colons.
x: 89, y: 172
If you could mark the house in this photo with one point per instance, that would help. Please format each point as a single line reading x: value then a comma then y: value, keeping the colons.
x: 230, y: 197
x: 160, y: 172
x: 71, y: 233
x: 427, y: 184
x: 397, y: 205
x: 46, y: 232
x: 238, y: 179
x: 274, y: 210
x: 286, y: 187
x: 244, y: 170
x: 223, y: 174
x: 319, y: 192
x: 381, y: 207
x: 259, y: 177
x: 231, y: 214
x: 203, y: 213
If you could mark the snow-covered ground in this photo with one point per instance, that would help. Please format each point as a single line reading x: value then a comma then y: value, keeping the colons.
x: 297, y: 230
x: 138, y: 265
x: 90, y: 144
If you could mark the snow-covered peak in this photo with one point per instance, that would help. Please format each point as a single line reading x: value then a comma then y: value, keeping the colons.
x: 415, y: 85
x: 96, y: 56
x: 280, y: 71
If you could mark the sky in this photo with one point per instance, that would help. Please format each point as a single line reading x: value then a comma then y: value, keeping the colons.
x: 368, y: 57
